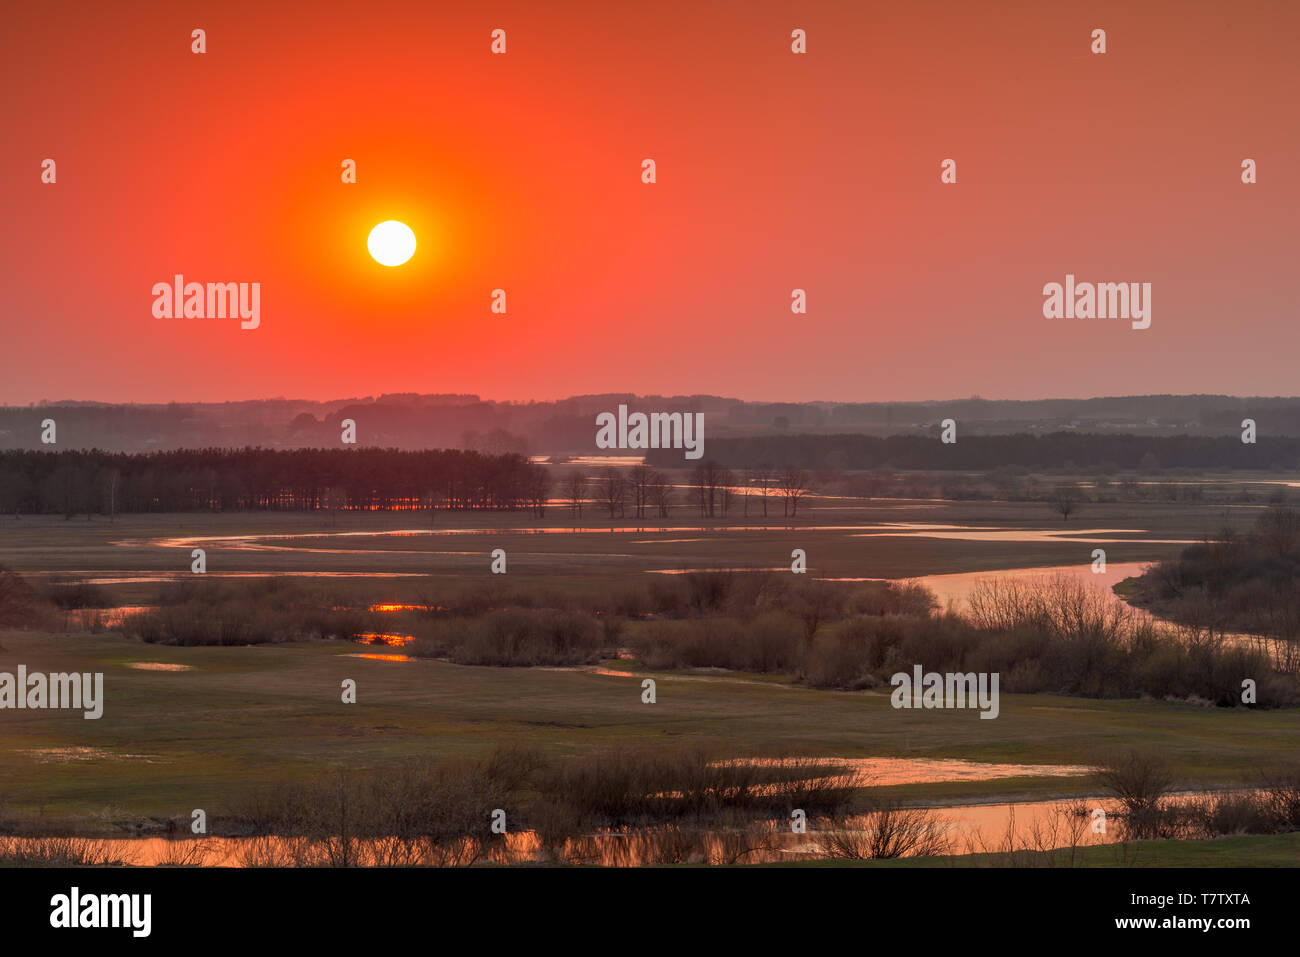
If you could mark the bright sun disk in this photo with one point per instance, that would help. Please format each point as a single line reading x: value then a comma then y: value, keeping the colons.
x: 391, y: 243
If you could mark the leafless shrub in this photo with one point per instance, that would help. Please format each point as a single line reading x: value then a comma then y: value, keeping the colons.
x: 1051, y: 841
x: 186, y: 852
x: 64, y: 852
x: 1138, y: 779
x: 888, y: 830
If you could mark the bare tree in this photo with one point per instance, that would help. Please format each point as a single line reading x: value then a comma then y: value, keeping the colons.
x: 709, y: 482
x: 575, y: 491
x: 1065, y: 500
x: 661, y: 493
x: 538, y: 488
x: 428, y: 502
x: 639, y: 480
x: 725, y: 479
x: 762, y: 477
x: 793, y: 484
x: 112, y: 482
x: 1280, y: 530
x: 612, y: 490
x: 335, y: 499
x: 700, y: 483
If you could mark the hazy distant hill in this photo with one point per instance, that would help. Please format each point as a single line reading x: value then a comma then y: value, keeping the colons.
x: 411, y: 421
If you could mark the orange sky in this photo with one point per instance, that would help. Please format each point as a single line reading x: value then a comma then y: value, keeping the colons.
x: 522, y: 171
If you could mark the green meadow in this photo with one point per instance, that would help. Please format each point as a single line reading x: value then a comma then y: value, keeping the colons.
x: 242, y: 717
x: 207, y: 726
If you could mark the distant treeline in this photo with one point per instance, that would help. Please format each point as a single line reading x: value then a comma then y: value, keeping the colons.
x: 568, y: 426
x: 1145, y: 413
x: 1058, y: 450
x: 76, y: 482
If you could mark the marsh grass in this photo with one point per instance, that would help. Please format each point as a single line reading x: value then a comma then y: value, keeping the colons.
x: 672, y: 843
x: 517, y: 637
x: 62, y: 852
x: 668, y: 806
x: 1056, y: 840
x: 769, y: 643
x: 186, y: 852
x: 1056, y: 635
x: 1143, y: 785
x: 641, y: 785
x: 887, y: 830
x: 254, y: 612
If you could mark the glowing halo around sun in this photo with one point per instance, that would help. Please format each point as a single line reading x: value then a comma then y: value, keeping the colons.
x: 391, y: 243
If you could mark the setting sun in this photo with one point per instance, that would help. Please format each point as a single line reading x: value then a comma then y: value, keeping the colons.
x: 391, y: 243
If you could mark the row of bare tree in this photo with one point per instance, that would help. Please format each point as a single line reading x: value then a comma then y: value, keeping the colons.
x: 85, y: 482
x: 712, y: 489
x: 80, y: 482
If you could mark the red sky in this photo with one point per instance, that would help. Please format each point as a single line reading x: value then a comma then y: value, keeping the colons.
x: 775, y: 171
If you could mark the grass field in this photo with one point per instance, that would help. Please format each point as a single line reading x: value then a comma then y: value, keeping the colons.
x: 242, y: 717
x: 594, y: 553
x: 248, y: 716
